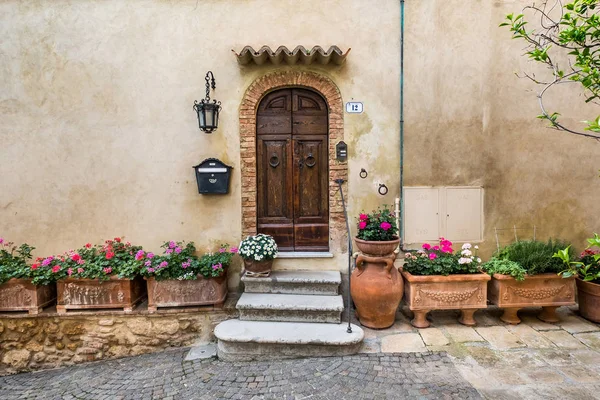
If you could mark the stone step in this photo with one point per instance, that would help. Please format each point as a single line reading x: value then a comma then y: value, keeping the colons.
x: 290, y: 307
x: 262, y: 340
x: 295, y: 282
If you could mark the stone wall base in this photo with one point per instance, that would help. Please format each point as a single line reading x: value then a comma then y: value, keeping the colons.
x: 49, y: 341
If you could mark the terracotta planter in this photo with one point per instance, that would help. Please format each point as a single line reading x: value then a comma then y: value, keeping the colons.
x: 376, y: 249
x: 83, y: 294
x: 22, y: 295
x: 176, y: 293
x: 423, y: 293
x: 588, y: 294
x: 376, y: 288
x: 549, y: 291
x: 258, y: 268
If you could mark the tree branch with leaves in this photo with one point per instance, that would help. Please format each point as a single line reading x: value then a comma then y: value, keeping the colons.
x: 570, y: 31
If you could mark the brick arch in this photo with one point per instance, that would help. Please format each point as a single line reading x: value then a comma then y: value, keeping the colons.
x: 254, y: 94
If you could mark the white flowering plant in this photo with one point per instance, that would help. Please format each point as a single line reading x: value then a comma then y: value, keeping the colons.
x: 442, y: 260
x: 260, y: 247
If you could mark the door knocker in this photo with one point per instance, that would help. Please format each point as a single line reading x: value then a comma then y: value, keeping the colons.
x: 383, y: 190
x: 274, y: 161
x: 310, y: 161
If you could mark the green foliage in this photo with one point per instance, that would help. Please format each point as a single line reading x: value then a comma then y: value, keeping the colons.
x: 378, y: 226
x: 179, y: 261
x: 13, y: 260
x: 535, y: 257
x: 587, y: 267
x: 441, y: 260
x: 574, y: 31
x: 504, y: 267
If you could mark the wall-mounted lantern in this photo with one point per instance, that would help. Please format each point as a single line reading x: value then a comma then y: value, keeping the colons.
x: 212, y: 176
x: 208, y: 113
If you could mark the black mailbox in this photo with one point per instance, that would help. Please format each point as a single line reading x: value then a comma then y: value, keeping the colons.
x: 213, y: 176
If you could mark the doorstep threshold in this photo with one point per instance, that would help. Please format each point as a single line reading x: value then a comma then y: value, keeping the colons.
x: 304, y: 254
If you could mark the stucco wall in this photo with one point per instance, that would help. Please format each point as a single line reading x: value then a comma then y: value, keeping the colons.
x: 98, y: 133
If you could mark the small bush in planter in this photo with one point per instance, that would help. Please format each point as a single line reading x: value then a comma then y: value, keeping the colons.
x: 14, y: 261
x: 442, y: 260
x: 378, y: 226
x: 179, y: 261
x: 587, y: 265
x: 528, y: 257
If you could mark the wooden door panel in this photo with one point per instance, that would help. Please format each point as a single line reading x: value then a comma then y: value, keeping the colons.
x: 292, y: 169
x: 311, y: 193
x: 274, y: 189
x: 274, y: 114
x: 309, y: 113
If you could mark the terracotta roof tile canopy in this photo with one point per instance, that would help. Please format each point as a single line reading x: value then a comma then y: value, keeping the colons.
x: 300, y: 55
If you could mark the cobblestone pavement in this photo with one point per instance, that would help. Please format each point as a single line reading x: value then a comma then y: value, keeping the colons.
x: 167, y: 376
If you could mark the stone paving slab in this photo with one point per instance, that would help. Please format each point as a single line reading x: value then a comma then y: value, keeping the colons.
x: 167, y: 376
x: 563, y: 340
x: 499, y: 337
x: 434, y: 337
x: 530, y: 336
x: 401, y: 343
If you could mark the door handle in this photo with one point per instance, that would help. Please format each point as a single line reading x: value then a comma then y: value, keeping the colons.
x: 310, y: 160
x: 274, y: 161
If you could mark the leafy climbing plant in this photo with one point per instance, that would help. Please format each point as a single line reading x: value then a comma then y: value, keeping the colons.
x: 571, y: 29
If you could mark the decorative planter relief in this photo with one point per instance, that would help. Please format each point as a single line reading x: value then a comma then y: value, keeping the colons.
x: 549, y: 291
x: 22, y: 295
x: 425, y: 293
x: 176, y: 293
x: 81, y: 294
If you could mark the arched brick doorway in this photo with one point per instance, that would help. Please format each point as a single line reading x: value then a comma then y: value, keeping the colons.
x: 260, y: 88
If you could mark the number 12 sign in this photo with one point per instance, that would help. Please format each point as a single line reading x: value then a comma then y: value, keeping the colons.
x: 354, y: 107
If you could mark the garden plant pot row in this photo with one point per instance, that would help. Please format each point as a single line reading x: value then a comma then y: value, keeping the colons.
x: 470, y: 292
x: 114, y: 293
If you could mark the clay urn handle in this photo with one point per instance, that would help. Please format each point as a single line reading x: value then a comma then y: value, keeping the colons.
x: 359, y: 263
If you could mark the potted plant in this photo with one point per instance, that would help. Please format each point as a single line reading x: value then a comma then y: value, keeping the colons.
x: 377, y: 233
x: 437, y: 278
x: 258, y: 253
x: 587, y: 272
x: 525, y: 274
x: 376, y: 286
x: 180, y: 278
x: 23, y: 287
x: 101, y: 276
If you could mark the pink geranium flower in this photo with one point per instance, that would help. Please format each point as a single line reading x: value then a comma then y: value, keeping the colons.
x: 222, y: 250
x: 446, y: 249
x: 436, y: 248
x: 172, y: 244
x: 107, y: 270
x: 385, y: 226
x: 80, y: 270
x: 150, y: 255
x: 233, y: 250
x: 70, y: 271
x: 363, y: 217
x: 163, y: 264
x: 178, y: 250
x: 362, y: 224
x: 140, y: 255
x: 56, y: 268
x: 426, y: 246
x: 432, y: 256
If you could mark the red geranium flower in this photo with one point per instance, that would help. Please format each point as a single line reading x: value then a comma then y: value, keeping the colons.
x: 56, y: 268
x: 88, y: 245
x: 75, y: 257
x: 110, y: 255
x: 35, y: 266
x: 118, y: 240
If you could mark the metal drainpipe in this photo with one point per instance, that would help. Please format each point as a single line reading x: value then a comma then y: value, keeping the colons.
x: 401, y: 224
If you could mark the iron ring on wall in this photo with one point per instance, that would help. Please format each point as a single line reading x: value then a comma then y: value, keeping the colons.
x: 383, y: 190
x: 363, y: 173
x: 274, y: 161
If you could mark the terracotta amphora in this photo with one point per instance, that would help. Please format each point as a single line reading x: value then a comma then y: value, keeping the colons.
x: 376, y: 287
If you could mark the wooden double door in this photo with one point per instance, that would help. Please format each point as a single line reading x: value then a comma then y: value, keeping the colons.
x: 292, y: 170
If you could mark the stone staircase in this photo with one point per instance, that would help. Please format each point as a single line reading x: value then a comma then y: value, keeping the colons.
x: 287, y: 315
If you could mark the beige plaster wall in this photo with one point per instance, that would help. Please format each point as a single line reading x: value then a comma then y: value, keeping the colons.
x: 98, y: 135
